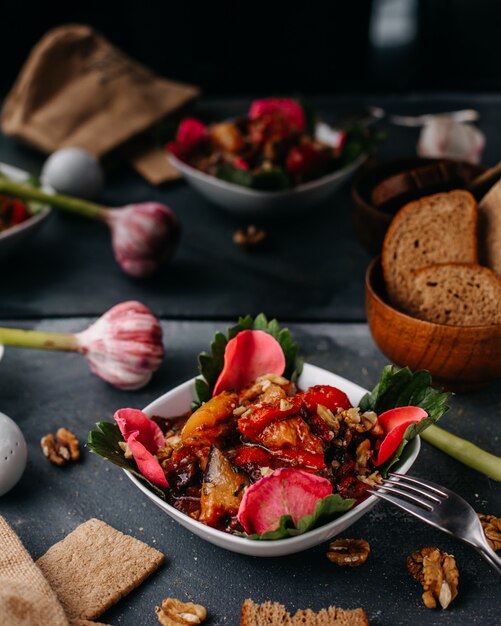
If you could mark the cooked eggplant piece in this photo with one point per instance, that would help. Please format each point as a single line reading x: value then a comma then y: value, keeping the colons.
x: 222, y: 489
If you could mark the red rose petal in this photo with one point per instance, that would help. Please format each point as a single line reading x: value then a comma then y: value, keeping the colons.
x: 146, y: 431
x: 289, y: 109
x: 392, y: 418
x: 395, y: 422
x: 285, y: 492
x: 148, y: 465
x: 250, y: 354
x: 190, y: 132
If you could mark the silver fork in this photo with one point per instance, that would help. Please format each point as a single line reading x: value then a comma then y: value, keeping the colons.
x: 439, y: 507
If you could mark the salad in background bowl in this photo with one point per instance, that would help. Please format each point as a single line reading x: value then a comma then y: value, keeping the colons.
x: 19, y: 220
x: 277, y: 157
x: 263, y: 456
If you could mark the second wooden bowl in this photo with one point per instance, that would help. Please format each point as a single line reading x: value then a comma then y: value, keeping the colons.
x: 460, y: 358
x: 370, y: 222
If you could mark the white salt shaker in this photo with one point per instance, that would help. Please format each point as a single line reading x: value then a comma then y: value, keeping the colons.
x: 13, y: 454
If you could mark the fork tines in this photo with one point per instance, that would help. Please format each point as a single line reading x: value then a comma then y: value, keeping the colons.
x: 411, y: 490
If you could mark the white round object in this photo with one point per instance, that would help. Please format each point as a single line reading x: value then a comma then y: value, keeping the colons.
x: 75, y: 172
x: 13, y: 454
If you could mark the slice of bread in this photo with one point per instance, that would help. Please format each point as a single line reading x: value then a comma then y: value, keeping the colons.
x: 275, y: 614
x: 456, y: 293
x: 441, y: 228
x: 489, y: 228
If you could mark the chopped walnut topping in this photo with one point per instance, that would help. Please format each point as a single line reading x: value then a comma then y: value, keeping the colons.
x: 239, y: 410
x: 328, y: 416
x: 276, y: 380
x: 492, y: 530
x: 372, y: 479
x: 285, y: 405
x: 364, y: 453
x: 124, y: 446
x: 438, y: 574
x: 352, y: 552
x: 250, y: 237
x: 62, y: 448
x: 370, y: 422
x: 174, y: 612
x: 265, y: 471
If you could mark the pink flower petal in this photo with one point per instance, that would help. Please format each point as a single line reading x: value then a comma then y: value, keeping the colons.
x: 395, y: 422
x: 392, y: 418
x: 289, y: 109
x: 148, y: 465
x: 250, y: 354
x: 285, y: 492
x: 147, y: 432
x: 190, y: 132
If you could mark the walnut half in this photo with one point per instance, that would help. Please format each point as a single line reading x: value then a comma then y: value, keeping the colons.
x: 175, y: 613
x: 438, y: 574
x: 492, y: 530
x: 352, y: 552
x: 62, y: 448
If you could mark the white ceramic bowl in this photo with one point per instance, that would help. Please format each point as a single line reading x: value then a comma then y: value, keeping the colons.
x: 177, y: 401
x: 13, y: 237
x: 253, y: 202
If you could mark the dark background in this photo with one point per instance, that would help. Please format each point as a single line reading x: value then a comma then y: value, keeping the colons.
x: 251, y: 47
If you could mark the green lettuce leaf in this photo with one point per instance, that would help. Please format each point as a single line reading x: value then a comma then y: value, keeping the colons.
x: 105, y: 442
x: 210, y: 364
x: 325, y: 510
x: 402, y: 387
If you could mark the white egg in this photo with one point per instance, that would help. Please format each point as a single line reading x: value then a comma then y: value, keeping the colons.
x: 13, y: 454
x: 75, y: 172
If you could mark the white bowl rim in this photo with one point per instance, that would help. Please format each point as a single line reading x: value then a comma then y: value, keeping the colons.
x: 19, y: 175
x: 189, y: 170
x: 261, y: 547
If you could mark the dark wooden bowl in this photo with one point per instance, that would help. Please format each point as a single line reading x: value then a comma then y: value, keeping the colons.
x: 371, y: 223
x: 460, y: 358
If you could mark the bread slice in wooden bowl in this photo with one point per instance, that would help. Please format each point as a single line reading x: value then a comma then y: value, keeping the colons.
x: 462, y: 294
x: 441, y: 228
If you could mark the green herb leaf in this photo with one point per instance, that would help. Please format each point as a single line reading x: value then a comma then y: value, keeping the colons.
x: 402, y: 387
x: 359, y: 141
x: 235, y: 175
x: 211, y: 364
x: 105, y: 443
x: 326, y: 509
x: 273, y: 179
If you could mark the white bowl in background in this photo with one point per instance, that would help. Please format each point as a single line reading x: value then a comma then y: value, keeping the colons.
x: 178, y: 400
x: 243, y: 201
x: 13, y: 237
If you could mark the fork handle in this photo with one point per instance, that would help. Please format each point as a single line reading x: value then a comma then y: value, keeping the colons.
x: 491, y: 557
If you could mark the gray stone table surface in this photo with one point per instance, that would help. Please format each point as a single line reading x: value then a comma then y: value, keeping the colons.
x: 311, y: 270
x: 42, y: 391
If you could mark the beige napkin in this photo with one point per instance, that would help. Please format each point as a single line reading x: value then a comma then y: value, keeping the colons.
x: 77, y: 89
x: 26, y: 599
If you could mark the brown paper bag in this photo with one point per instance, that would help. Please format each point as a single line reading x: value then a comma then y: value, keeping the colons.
x: 76, y: 89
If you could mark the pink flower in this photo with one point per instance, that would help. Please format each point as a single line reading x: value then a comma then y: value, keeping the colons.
x: 284, y: 492
x: 189, y: 134
x: 250, y: 354
x: 395, y: 422
x: 124, y: 346
x: 286, y: 108
x: 144, y: 437
x: 444, y: 137
x: 144, y: 236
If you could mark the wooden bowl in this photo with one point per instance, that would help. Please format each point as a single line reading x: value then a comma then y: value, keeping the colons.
x: 460, y: 358
x: 371, y: 223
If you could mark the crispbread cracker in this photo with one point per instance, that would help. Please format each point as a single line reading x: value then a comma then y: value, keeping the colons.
x: 275, y: 614
x: 94, y: 566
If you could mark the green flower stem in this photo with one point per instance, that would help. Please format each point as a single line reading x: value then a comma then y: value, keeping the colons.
x: 464, y: 451
x: 38, y: 339
x: 66, y: 203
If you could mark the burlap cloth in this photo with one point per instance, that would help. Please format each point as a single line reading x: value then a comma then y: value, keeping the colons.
x: 75, y: 581
x: 77, y: 89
